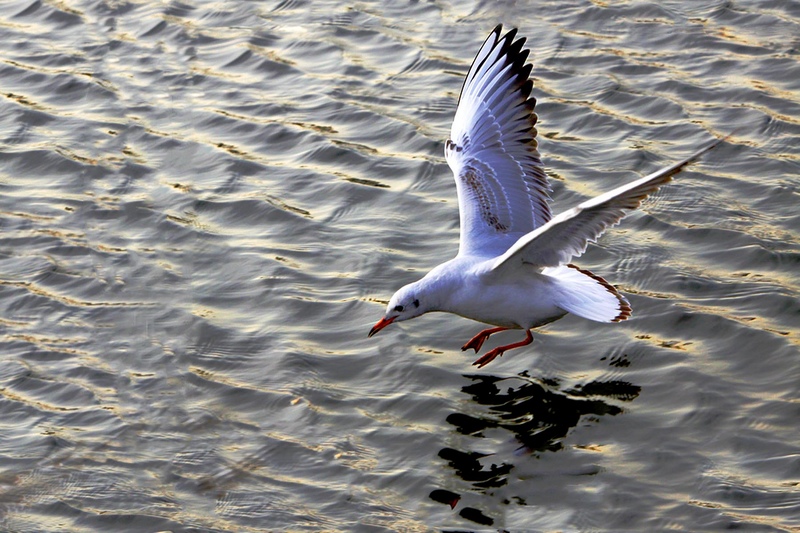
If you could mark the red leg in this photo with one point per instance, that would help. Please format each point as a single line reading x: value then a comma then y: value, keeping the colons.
x: 491, y: 354
x: 477, y: 341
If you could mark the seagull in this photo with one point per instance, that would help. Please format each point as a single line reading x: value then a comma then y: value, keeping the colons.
x: 513, y: 268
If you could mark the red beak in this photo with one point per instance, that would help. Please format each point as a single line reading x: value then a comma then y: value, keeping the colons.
x: 382, y: 323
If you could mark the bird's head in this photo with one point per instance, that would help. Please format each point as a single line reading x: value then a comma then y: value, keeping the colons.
x: 405, y: 304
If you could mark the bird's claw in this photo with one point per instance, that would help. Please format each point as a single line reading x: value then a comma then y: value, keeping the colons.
x: 487, y: 358
x: 475, y: 343
x: 496, y: 352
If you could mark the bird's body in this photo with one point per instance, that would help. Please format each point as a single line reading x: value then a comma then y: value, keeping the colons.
x: 513, y: 267
x: 466, y: 286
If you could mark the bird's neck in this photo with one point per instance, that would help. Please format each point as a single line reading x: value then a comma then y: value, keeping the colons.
x: 439, y: 285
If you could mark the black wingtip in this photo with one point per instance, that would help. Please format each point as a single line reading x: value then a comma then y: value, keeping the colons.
x: 510, y: 35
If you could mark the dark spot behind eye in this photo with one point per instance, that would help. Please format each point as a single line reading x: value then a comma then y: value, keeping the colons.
x: 416, y: 303
x: 398, y: 308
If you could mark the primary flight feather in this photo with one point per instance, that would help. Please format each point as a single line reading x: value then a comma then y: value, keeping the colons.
x: 513, y: 266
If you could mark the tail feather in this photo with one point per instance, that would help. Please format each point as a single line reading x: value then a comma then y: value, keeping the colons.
x: 587, y: 295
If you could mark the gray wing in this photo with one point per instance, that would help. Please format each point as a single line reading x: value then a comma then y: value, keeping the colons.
x: 568, y: 234
x: 502, y: 186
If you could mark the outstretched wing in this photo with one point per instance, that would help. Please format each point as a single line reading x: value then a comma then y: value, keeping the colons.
x: 568, y: 234
x: 502, y: 186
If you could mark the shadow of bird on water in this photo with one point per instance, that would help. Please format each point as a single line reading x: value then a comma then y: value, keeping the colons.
x: 535, y: 411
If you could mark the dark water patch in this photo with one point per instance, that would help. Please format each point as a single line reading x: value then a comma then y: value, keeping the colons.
x: 368, y: 183
x: 536, y: 413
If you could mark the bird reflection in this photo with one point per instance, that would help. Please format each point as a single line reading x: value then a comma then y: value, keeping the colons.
x: 536, y: 412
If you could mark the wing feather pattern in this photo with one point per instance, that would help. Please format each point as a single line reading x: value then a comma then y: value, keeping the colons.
x: 503, y: 191
x: 568, y: 234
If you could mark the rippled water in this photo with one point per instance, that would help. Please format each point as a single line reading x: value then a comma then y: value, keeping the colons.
x: 206, y: 205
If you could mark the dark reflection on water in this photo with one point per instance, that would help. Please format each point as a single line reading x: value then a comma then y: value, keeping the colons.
x: 535, y: 412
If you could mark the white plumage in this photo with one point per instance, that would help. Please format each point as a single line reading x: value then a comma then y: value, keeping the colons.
x: 512, y: 269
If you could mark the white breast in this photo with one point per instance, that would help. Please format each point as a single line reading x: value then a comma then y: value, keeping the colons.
x: 524, y: 300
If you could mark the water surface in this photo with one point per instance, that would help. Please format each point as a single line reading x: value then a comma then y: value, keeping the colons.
x: 205, y: 206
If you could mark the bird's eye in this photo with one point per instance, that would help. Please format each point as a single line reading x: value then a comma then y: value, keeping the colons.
x: 416, y: 303
x: 398, y: 308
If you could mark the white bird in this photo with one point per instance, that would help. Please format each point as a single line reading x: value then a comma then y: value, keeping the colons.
x: 513, y: 266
